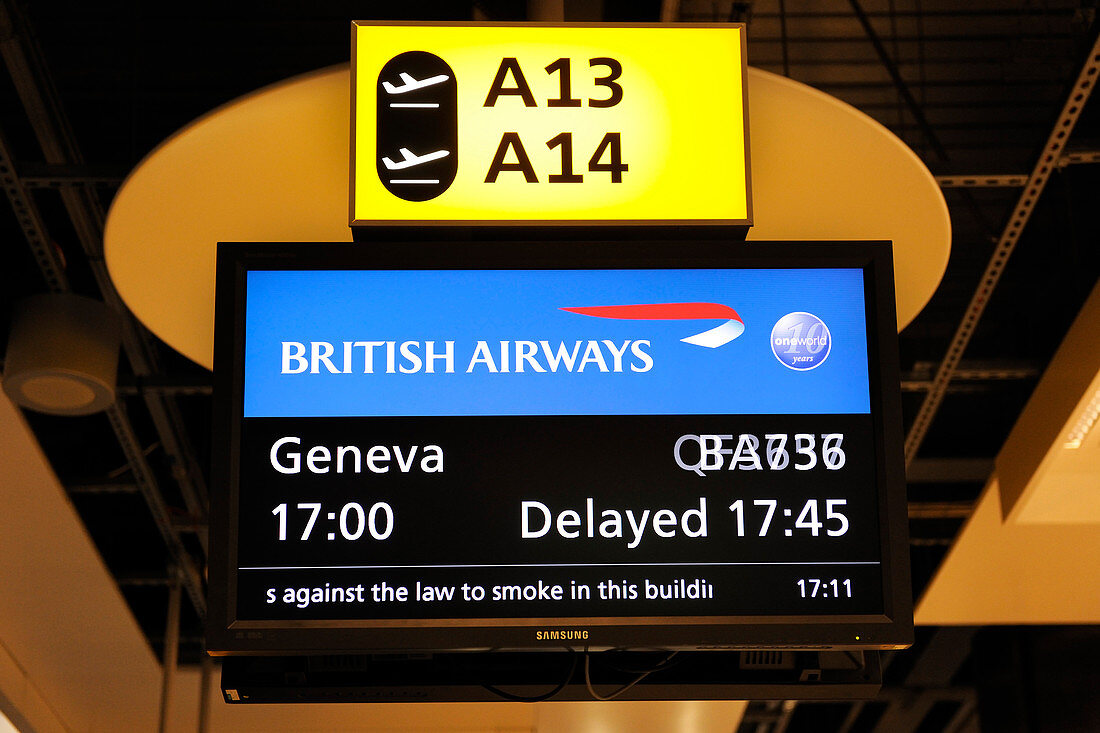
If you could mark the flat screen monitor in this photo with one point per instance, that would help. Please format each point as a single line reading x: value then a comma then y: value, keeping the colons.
x: 535, y: 445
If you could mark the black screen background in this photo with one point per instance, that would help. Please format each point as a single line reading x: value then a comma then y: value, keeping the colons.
x: 469, y: 515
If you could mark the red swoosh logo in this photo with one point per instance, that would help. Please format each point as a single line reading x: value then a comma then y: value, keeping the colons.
x: 712, y: 339
x: 658, y: 311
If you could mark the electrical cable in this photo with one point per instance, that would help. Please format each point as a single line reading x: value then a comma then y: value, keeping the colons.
x: 126, y: 467
x: 624, y: 688
x: 538, y: 698
x: 664, y: 664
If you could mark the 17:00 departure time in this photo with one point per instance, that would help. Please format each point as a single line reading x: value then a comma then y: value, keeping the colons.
x: 352, y: 523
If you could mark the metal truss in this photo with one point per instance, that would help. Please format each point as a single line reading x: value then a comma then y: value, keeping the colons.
x: 1006, y: 243
x: 19, y: 51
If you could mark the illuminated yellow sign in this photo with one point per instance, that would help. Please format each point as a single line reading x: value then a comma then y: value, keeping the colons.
x: 488, y: 124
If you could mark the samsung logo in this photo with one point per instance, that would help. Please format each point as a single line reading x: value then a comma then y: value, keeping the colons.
x: 562, y: 635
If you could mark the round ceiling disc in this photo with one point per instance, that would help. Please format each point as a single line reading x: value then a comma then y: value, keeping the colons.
x: 274, y: 166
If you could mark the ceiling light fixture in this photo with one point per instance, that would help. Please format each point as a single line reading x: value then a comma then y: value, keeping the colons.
x: 1047, y: 471
x: 62, y: 356
x: 1084, y: 423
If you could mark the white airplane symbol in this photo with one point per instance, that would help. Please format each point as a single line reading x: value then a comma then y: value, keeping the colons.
x: 411, y: 84
x: 410, y: 160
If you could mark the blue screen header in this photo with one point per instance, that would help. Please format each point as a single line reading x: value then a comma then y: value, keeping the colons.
x: 328, y: 343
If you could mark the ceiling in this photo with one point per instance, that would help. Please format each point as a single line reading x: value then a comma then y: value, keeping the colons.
x: 976, y: 89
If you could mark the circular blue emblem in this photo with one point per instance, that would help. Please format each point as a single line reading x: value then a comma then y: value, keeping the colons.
x: 801, y: 341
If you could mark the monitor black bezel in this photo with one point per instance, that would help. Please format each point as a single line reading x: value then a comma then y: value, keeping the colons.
x: 890, y: 630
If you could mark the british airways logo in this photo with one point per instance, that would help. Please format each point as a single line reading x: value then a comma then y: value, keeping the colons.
x: 712, y: 338
x: 513, y: 356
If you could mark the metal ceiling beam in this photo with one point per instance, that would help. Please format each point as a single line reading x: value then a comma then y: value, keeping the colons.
x: 147, y: 484
x: 1014, y: 180
x: 975, y: 377
x: 901, y: 37
x: 670, y: 11
x: 1011, y: 180
x: 940, y: 509
x: 46, y: 254
x: 146, y: 581
x: 931, y: 541
x: 786, y: 713
x: 941, y: 659
x: 58, y: 145
x: 853, y: 715
x: 928, y: 682
x: 1006, y: 243
x: 911, y: 102
x: 112, y: 488
x: 949, y: 470
x: 47, y: 118
x: 819, y: 15
x: 192, y: 385
x: 956, y: 387
x: 45, y: 175
x: 982, y: 370
x: 170, y: 655
x: 783, y: 40
x: 1079, y: 156
x: 965, y: 718
x: 903, y: 89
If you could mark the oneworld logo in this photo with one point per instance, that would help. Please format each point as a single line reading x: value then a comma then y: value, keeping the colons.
x: 712, y: 338
x: 801, y: 341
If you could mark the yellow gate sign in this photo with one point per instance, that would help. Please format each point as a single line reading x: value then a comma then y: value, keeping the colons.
x: 456, y: 124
